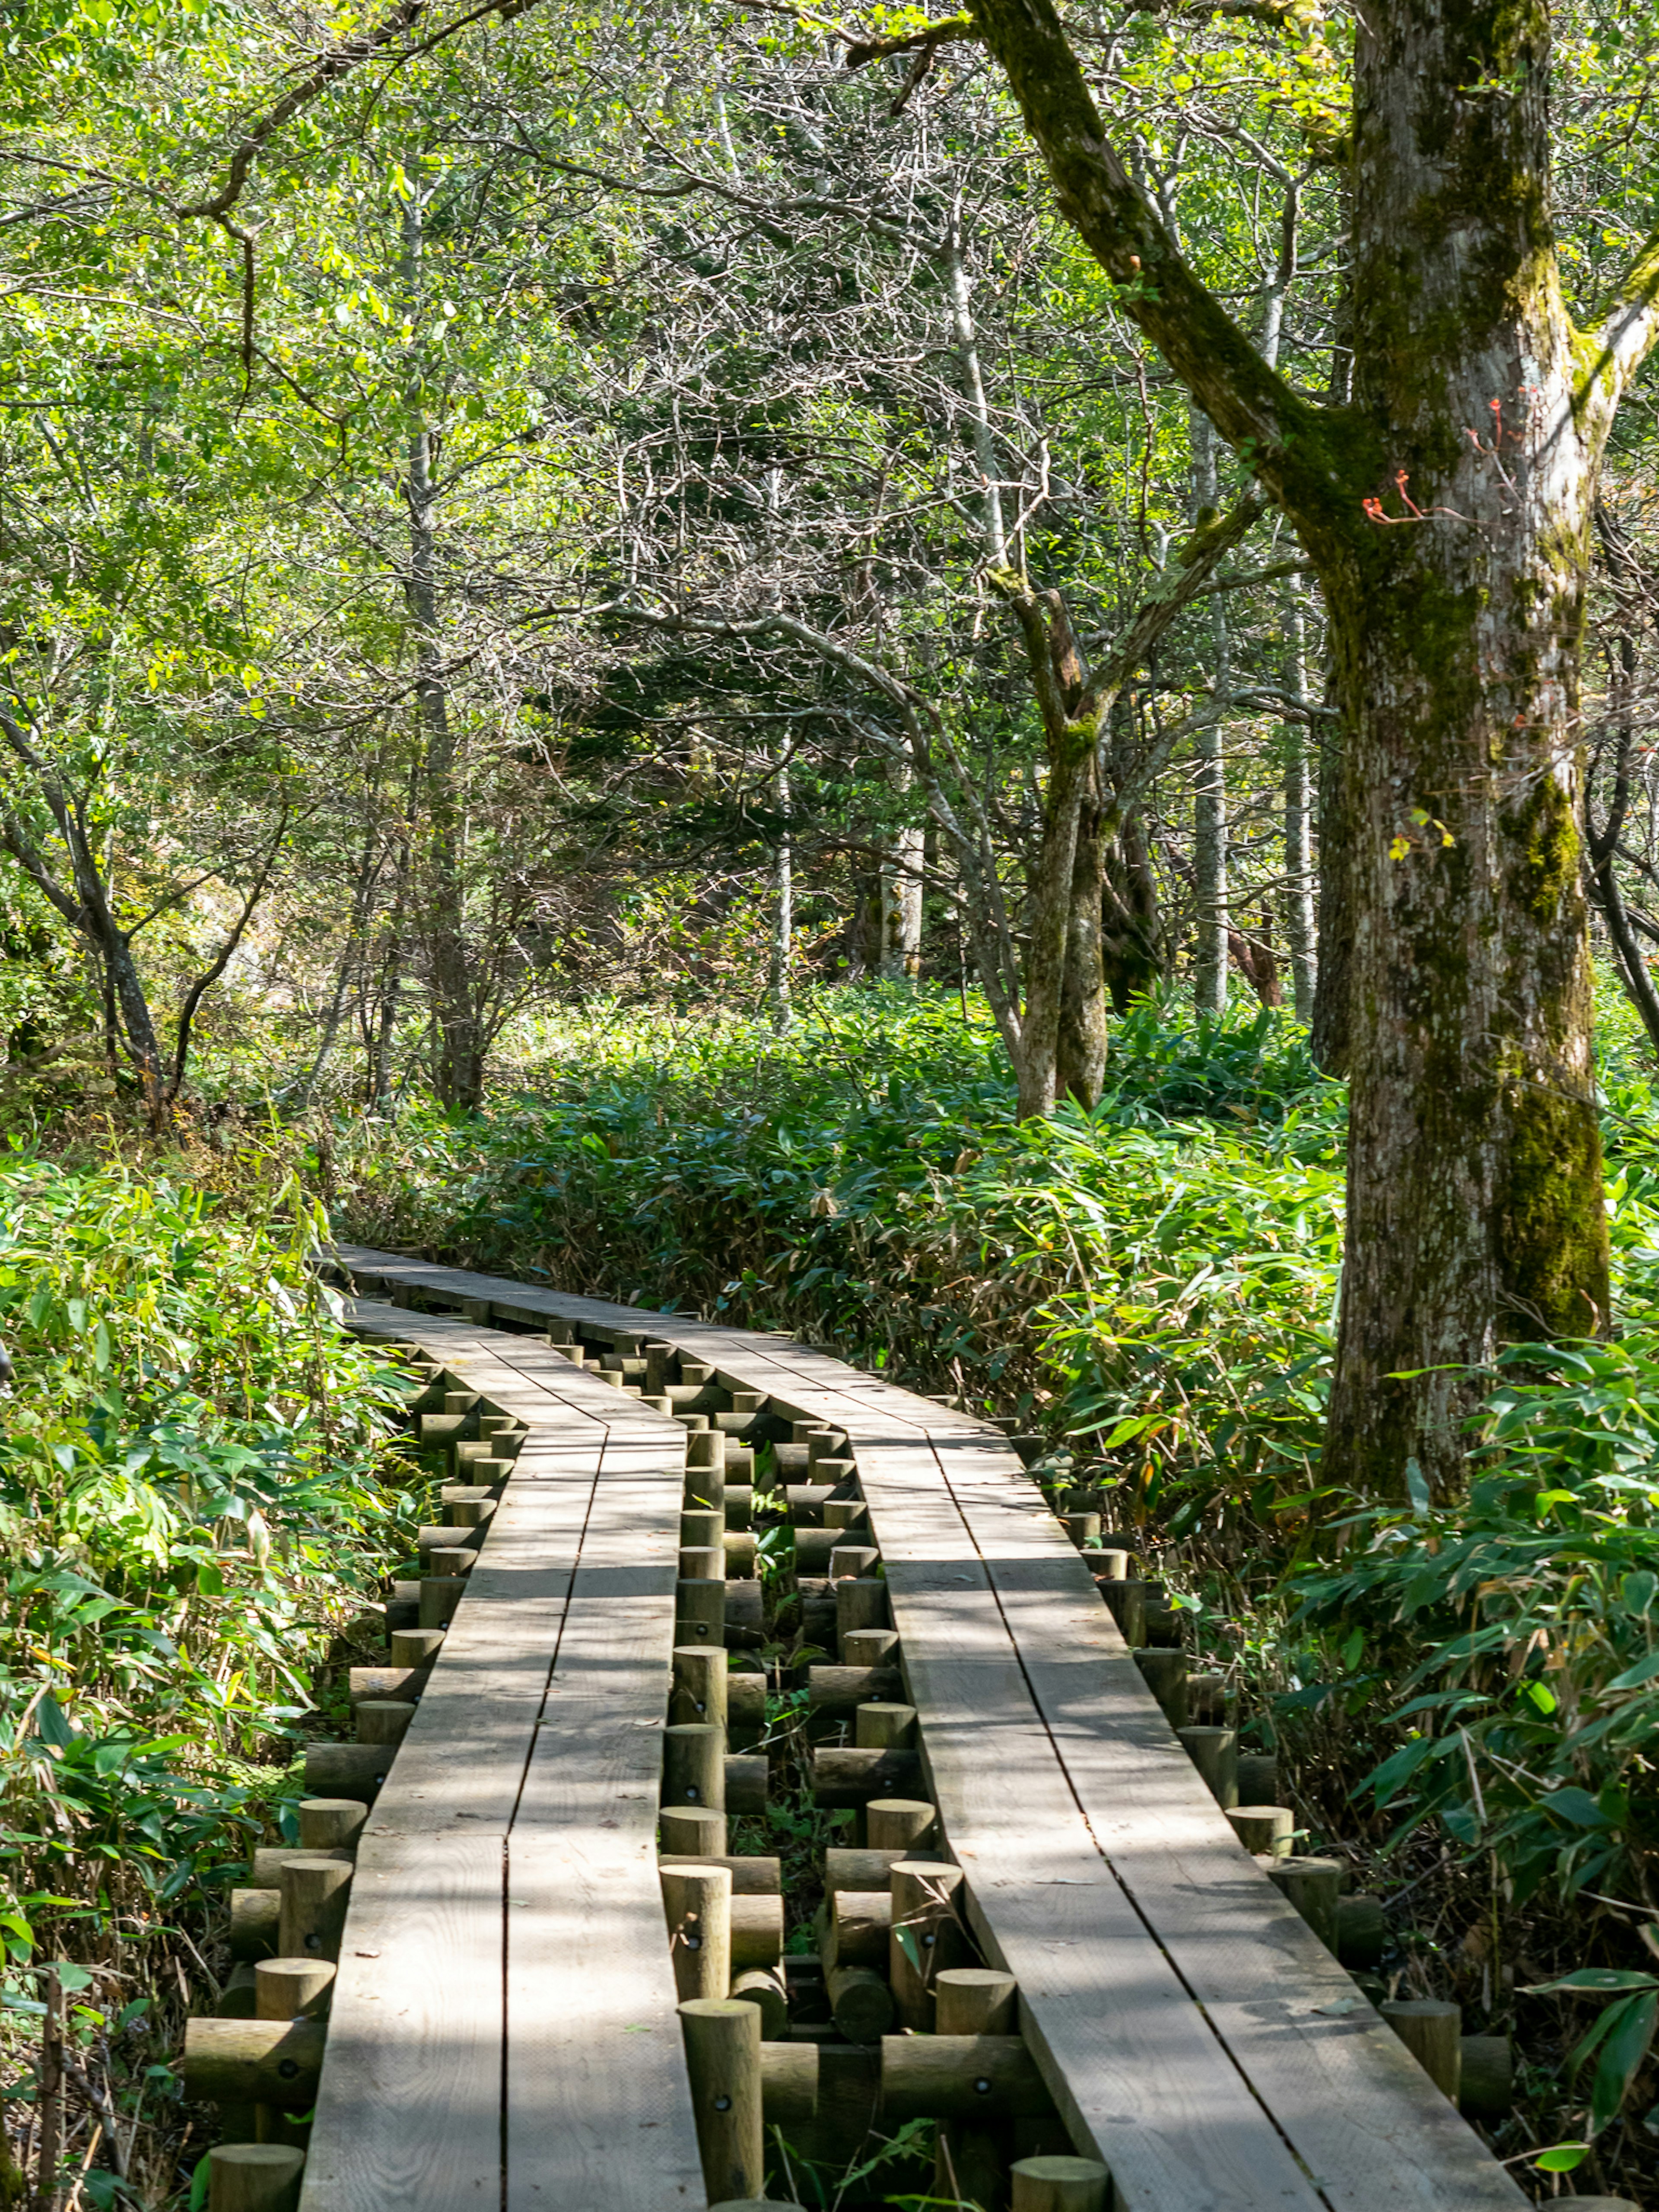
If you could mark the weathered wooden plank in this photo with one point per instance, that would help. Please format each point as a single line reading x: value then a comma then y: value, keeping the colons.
x: 408, y: 2112
x: 599, y: 2112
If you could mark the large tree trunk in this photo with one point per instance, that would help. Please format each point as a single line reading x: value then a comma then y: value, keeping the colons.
x: 1475, y: 1157
x: 1448, y: 511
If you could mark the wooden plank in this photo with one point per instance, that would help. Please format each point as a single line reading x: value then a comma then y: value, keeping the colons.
x: 599, y: 2112
x: 408, y: 2112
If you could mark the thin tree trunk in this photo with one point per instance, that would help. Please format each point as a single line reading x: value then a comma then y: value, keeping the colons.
x: 1298, y: 812
x: 458, y: 1071
x: 783, y: 911
x: 1210, y: 781
x: 901, y: 893
x: 1080, y: 1073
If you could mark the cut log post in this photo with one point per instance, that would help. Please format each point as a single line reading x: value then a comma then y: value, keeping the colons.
x: 1206, y: 1700
x: 315, y: 1892
x: 859, y: 1929
x: 1265, y: 1831
x: 861, y: 2003
x: 404, y: 1683
x: 702, y: 1563
x: 1214, y: 1752
x: 789, y: 2081
x: 702, y: 1528
x: 1362, y: 1931
x: 860, y: 1602
x: 253, y: 2062
x: 752, y: 1874
x: 694, y: 1766
x: 270, y: 1859
x: 748, y: 1776
x: 746, y: 1710
x: 926, y: 1935
x: 805, y: 1503
x: 741, y: 1554
x: 814, y: 1548
x: 846, y: 1868
x: 756, y: 1929
x: 1485, y: 2088
x: 1126, y: 1601
x: 870, y: 1647
x: 256, y: 1916
x: 293, y: 1989
x: 346, y: 1770
x: 1164, y: 1674
x: 884, y: 1727
x: 763, y: 1986
x: 959, y: 2077
x: 1431, y: 2029
x: 854, y: 1562
x: 893, y: 1824
x: 699, y: 1696
x: 745, y: 1612
x: 843, y: 1777
x: 1060, y: 2184
x: 844, y: 1513
x: 1082, y: 1529
x: 1107, y: 1565
x: 692, y: 1832
x: 415, y: 1647
x: 699, y: 1612
x: 384, y: 1720
x: 1313, y: 1886
x: 723, y: 2060
x: 975, y: 2001
x: 1258, y: 1777
x: 238, y: 1999
x: 697, y: 1906
x: 254, y: 2178
x: 440, y: 1595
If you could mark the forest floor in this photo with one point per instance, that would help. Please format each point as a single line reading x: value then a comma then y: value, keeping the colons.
x: 200, y: 1486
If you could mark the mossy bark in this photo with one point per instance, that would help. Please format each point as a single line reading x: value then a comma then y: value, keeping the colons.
x: 1447, y: 510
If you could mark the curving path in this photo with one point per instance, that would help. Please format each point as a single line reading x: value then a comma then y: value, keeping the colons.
x: 503, y: 2027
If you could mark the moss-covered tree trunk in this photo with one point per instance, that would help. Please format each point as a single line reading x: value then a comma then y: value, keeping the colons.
x: 1447, y: 509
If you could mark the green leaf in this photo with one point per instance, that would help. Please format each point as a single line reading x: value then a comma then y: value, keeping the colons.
x: 1626, y: 2048
x: 1561, y: 2158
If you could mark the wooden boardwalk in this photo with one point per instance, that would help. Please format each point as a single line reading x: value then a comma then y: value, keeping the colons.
x: 503, y: 2031
x: 504, y: 2021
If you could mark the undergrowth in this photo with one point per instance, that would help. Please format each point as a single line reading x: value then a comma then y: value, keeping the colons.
x: 191, y: 1504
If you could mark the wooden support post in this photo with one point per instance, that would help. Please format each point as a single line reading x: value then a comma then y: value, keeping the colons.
x: 1082, y: 1529
x: 881, y: 1727
x: 1485, y: 2089
x: 763, y: 1986
x: 702, y: 1563
x: 1313, y: 1886
x: 694, y: 1766
x: 253, y: 2062
x: 861, y: 2003
x: 870, y: 1647
x: 893, y: 1824
x: 723, y: 2059
x: 384, y: 1720
x: 1214, y: 1752
x: 1126, y: 1601
x: 745, y: 1708
x: 739, y: 1505
x: 699, y: 1612
x: 255, y: 1920
x: 1060, y: 2184
x: 314, y: 1893
x: 960, y: 2077
x: 697, y: 1832
x: 806, y: 1501
x: 415, y: 1647
x: 346, y: 1770
x: 1107, y: 1565
x: 1266, y: 1831
x: 697, y: 1906
x: 844, y: 1512
x: 254, y: 2178
x: 1432, y: 2031
x: 1258, y: 1777
x: 1206, y: 1700
x: 860, y: 1603
x: 757, y: 1928
x: 926, y: 1935
x: 330, y: 1824
x: 1164, y: 1674
x: 702, y: 1527
x: 789, y: 2081
x: 270, y: 1859
x: 699, y: 1696
x: 293, y: 1989
x: 741, y: 1554
x: 859, y: 1931
x: 752, y: 1874
x: 747, y: 1777
x: 835, y: 1693
x: 975, y: 2001
x: 852, y: 1776
x: 440, y: 1595
x: 237, y: 1997
x: 1362, y: 1931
